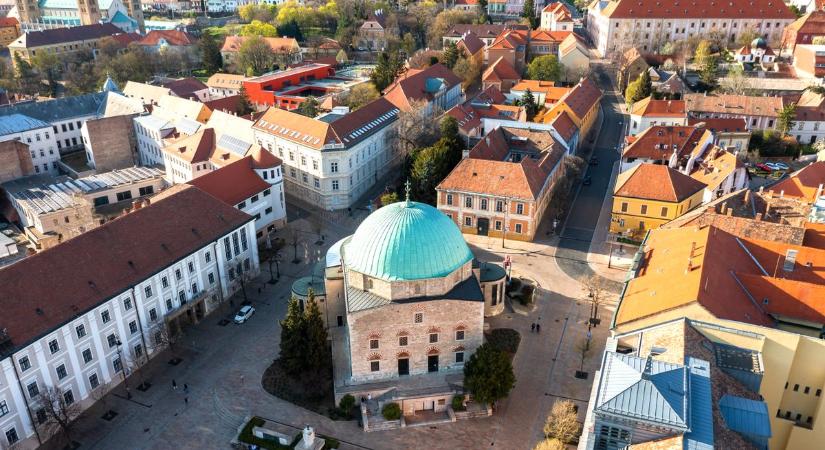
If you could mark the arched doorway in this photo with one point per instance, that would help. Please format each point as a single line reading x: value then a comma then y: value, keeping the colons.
x: 403, y: 364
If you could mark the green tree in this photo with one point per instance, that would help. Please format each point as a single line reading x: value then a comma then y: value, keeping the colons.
x: 261, y: 11
x: 408, y: 44
x: 210, y: 53
x: 309, y: 107
x: 633, y: 93
x: 430, y: 166
x: 81, y: 78
x: 386, y: 70
x: 244, y: 105
x: 48, y: 66
x: 707, y: 62
x: 389, y: 198
x: 785, y: 121
x: 360, y: 95
x: 746, y: 36
x: 545, y: 68
x: 488, y: 374
x: 258, y: 28
x: 528, y: 101
x: 529, y: 13
x: 469, y: 70
x: 450, y: 55
x: 255, y: 56
x: 645, y: 84
x: 318, y: 358
x: 291, y: 29
x: 483, y: 17
x: 293, y: 343
x: 452, y: 141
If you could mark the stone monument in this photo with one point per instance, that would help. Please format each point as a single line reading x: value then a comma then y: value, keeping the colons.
x: 308, y: 441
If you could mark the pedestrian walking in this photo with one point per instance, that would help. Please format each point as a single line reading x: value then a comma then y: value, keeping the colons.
x: 185, y: 388
x: 186, y: 400
x: 538, y: 328
x: 174, y: 385
x: 241, y: 379
x: 533, y: 327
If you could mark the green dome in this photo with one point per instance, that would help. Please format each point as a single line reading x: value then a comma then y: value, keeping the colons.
x: 407, y: 241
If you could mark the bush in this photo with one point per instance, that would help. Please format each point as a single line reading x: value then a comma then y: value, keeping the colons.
x: 391, y: 411
x: 247, y: 437
x: 505, y: 339
x: 458, y: 403
x: 513, y: 285
x: 330, y: 443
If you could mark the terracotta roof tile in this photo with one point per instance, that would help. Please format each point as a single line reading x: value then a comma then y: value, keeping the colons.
x: 565, y: 126
x: 803, y: 184
x: 656, y: 182
x: 185, y: 87
x: 500, y: 70
x: 93, y: 267
x: 552, y: 92
x: 658, y: 141
x: 487, y: 31
x: 195, y: 148
x: 700, y: 9
x: 647, y: 107
x: 583, y: 97
x: 734, y: 104
x: 232, y: 183
x: 172, y: 37
x: 412, y: 85
x: 812, y: 23
x: 715, y: 167
x: 490, y: 95
x: 471, y: 43
x: 726, y: 125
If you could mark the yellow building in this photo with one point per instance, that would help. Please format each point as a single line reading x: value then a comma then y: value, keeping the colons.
x: 581, y: 103
x: 649, y: 195
x: 65, y: 43
x: 740, y: 293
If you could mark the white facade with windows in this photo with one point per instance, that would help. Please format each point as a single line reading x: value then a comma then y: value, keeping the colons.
x: 38, y: 136
x: 104, y: 344
x: 150, y: 131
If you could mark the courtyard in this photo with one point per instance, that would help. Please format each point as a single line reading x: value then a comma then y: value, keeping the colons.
x: 222, y: 365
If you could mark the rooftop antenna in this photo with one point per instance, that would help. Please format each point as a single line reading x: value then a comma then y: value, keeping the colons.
x: 407, y: 191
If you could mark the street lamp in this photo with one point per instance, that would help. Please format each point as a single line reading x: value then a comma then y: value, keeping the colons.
x: 122, y: 369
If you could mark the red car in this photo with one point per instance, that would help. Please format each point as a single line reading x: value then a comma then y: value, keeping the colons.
x: 764, y: 167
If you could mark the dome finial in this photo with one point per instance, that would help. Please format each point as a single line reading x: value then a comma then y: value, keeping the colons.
x: 407, y: 191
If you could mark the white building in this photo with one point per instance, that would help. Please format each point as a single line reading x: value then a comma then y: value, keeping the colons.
x: 556, y: 17
x: 648, y: 112
x: 37, y: 135
x: 616, y: 25
x: 114, y: 292
x: 169, y: 115
x: 332, y: 160
x: 221, y: 5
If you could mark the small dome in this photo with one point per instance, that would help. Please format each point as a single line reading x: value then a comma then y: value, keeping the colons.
x: 759, y: 43
x: 407, y: 241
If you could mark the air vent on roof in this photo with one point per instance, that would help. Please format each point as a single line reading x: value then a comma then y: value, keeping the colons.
x: 39, y: 311
x: 656, y: 351
x: 790, y: 260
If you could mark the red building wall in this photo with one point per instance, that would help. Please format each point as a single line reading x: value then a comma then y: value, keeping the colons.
x: 264, y: 90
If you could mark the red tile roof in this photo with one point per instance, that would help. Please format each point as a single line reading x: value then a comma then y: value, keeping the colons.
x: 411, y: 85
x: 9, y: 22
x: 812, y: 23
x: 560, y: 11
x: 471, y: 43
x: 92, y: 268
x: 500, y: 70
x: 656, y: 182
x: 230, y: 104
x: 803, y: 184
x: 737, y: 124
x: 490, y: 95
x: 659, y: 108
x: 487, y: 31
x: 658, y: 141
x: 172, y: 37
x: 699, y: 9
x: 124, y: 39
x: 734, y: 104
x: 565, y: 126
x: 185, y: 87
x: 583, y: 97
x: 195, y: 148
x: 232, y: 183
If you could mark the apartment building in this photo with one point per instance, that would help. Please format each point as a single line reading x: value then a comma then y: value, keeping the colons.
x: 503, y: 188
x: 116, y: 291
x: 648, y: 112
x: 616, y: 25
x: 171, y: 117
x: 37, y: 136
x: 225, y: 85
x: 761, y: 113
x: 332, y: 160
x: 65, y: 43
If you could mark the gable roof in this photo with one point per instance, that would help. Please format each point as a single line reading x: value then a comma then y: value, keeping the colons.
x: 106, y: 261
x: 659, y: 108
x: 233, y: 183
x: 185, y: 87
x: 58, y: 109
x: 147, y: 93
x: 485, y: 31
x: 471, y: 42
x: 500, y: 70
x: 722, y: 125
x: 804, y: 183
x: 656, y: 182
x: 32, y: 39
x: 418, y: 85
x: 565, y: 126
x: 172, y: 37
x: 734, y: 104
x: 582, y: 98
x: 659, y: 142
x: 715, y: 167
x: 738, y: 9
x: 226, y: 81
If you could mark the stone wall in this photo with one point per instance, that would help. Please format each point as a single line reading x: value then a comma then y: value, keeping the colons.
x: 431, y: 287
x: 112, y: 142
x: 389, y: 323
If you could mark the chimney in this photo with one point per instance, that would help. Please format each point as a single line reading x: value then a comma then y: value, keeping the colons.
x: 729, y: 211
x: 146, y: 201
x: 781, y: 193
x: 137, y: 204
x: 724, y: 207
x: 758, y: 217
x: 767, y: 209
x: 747, y: 196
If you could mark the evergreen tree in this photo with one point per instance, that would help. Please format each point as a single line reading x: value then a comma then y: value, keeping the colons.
x: 387, y: 68
x: 210, y: 53
x: 244, y: 105
x: 529, y: 104
x: 786, y: 119
x: 317, y: 356
x: 450, y: 55
x: 27, y: 81
x: 430, y: 166
x: 645, y: 84
x: 488, y: 374
x: 452, y: 141
x: 483, y: 17
x: 291, y: 29
x: 293, y: 342
x: 707, y: 62
x: 309, y: 107
x: 529, y: 13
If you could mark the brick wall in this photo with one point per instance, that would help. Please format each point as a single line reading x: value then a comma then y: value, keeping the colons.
x: 15, y: 161
x: 106, y: 140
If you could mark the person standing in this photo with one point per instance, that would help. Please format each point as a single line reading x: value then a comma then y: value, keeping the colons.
x: 533, y: 327
x: 186, y: 401
x: 185, y: 388
x: 174, y: 384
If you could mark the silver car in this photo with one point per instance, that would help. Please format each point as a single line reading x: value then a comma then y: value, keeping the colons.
x: 244, y: 314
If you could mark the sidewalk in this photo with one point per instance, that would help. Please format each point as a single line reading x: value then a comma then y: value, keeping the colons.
x: 613, y: 267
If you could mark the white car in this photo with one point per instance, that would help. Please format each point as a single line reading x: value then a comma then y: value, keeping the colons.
x: 780, y: 166
x: 244, y: 314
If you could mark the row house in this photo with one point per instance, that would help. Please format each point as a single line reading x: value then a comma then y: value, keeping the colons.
x: 502, y: 189
x: 581, y: 104
x: 761, y: 113
x: 648, y: 112
x: 436, y: 87
x: 804, y: 30
x: 809, y: 125
x: 115, y: 294
x: 616, y: 25
x: 332, y: 160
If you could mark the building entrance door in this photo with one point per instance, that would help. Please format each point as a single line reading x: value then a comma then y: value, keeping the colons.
x: 432, y: 363
x: 340, y: 321
x: 483, y: 225
x: 403, y: 366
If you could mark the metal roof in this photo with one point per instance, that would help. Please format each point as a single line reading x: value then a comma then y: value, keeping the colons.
x: 467, y: 290
x: 644, y: 389
x: 748, y: 417
x: 700, y: 436
x: 188, y: 126
x: 154, y: 122
x: 58, y: 109
x: 59, y: 194
x: 16, y: 123
x: 234, y: 145
x: 333, y: 257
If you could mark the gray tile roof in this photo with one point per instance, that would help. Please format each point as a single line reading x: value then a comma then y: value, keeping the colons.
x: 72, y: 34
x: 58, y: 109
x: 16, y: 123
x: 358, y: 300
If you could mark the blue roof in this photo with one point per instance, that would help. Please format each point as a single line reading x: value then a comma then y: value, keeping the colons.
x: 407, y: 241
x: 644, y: 389
x: 119, y: 17
x: 700, y: 436
x: 15, y: 123
x: 58, y: 109
x: 748, y: 417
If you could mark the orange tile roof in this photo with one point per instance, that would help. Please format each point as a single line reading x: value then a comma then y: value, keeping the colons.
x: 659, y: 108
x: 232, y: 183
x: 785, y: 298
x: 716, y: 166
x: 411, y: 85
x: 500, y: 70
x: 814, y: 235
x: 734, y: 104
x: 714, y: 255
x: 810, y: 262
x: 811, y: 23
x: 803, y: 184
x: 726, y: 125
x: 656, y: 182
x: 658, y: 141
x: 565, y: 126
x: 551, y: 92
x: 699, y: 9
x: 173, y: 37
x: 195, y: 148
x: 560, y: 11
x: 582, y: 98
x: 509, y: 40
x: 490, y: 95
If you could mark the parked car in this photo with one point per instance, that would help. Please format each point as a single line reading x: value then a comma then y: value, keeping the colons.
x: 765, y: 167
x: 594, y: 161
x: 587, y: 181
x: 780, y: 166
x: 244, y: 314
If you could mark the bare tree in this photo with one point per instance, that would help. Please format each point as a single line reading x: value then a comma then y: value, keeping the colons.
x: 163, y: 336
x: 596, y: 293
x: 416, y: 128
x: 562, y: 423
x: 242, y: 275
x: 549, y: 444
x: 100, y: 393
x: 60, y: 411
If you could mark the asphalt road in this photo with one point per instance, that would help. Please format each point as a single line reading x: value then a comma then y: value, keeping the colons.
x: 584, y: 213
